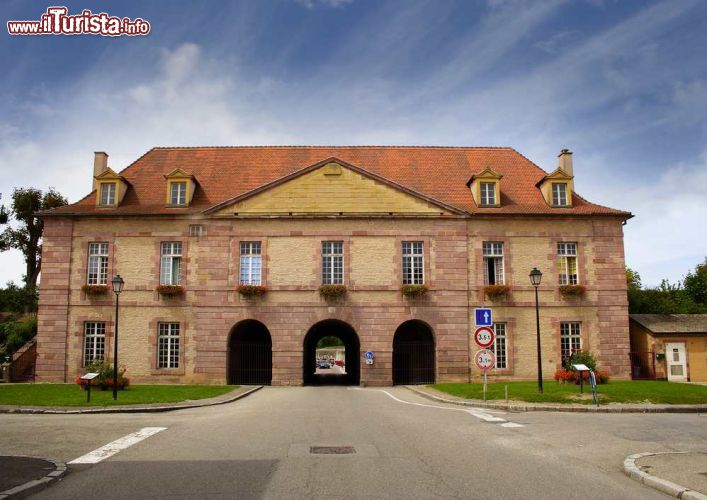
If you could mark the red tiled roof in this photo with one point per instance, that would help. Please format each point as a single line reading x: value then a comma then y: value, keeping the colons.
x: 440, y: 173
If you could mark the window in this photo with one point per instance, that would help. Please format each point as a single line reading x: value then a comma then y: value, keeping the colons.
x: 333, y: 262
x: 559, y: 194
x: 413, y: 263
x: 197, y: 230
x: 499, y: 345
x: 488, y: 193
x: 97, y: 264
x: 251, y: 263
x: 567, y: 263
x: 168, y: 345
x: 493, y: 262
x: 108, y: 193
x: 94, y: 341
x: 178, y: 193
x: 171, y: 263
x: 570, y: 340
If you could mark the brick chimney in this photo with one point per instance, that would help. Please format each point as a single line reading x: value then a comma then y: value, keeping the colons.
x: 100, y: 165
x: 565, y: 162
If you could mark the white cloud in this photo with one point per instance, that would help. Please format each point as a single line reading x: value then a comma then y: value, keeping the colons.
x: 311, y: 4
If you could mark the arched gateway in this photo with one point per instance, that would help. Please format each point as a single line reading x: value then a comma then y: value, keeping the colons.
x: 249, y: 354
x: 413, y: 354
x: 343, y: 331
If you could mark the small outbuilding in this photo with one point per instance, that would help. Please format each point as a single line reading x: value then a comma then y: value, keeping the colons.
x: 672, y: 346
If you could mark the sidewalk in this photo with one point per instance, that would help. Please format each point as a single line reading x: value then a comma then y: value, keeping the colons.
x: 511, y: 405
x: 680, y: 474
x: 234, y: 395
x: 22, y: 476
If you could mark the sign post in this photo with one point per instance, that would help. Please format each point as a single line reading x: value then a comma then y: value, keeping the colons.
x: 88, y: 377
x: 485, y: 360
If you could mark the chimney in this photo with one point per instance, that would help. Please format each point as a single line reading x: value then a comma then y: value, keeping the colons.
x: 565, y: 162
x: 100, y: 165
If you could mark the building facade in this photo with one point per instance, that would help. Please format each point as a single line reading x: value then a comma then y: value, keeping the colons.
x: 236, y: 261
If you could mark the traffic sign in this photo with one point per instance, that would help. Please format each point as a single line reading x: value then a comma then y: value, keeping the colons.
x: 484, y: 336
x: 485, y: 359
x: 369, y: 357
x: 482, y: 316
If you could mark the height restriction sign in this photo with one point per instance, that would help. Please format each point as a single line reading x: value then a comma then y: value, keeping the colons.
x: 484, y: 336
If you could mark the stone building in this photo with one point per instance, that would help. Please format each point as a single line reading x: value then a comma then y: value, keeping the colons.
x: 224, y: 252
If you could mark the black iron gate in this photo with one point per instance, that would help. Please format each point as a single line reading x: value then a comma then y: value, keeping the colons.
x: 250, y: 363
x: 413, y: 363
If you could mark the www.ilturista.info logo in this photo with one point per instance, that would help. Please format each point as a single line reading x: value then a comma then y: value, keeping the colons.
x: 56, y: 21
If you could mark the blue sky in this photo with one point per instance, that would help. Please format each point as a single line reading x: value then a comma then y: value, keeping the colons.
x: 623, y: 84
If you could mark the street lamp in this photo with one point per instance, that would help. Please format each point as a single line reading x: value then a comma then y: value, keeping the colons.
x: 535, y: 277
x: 117, y: 283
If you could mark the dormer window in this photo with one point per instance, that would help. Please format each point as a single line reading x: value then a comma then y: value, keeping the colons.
x: 180, y: 188
x: 485, y: 188
x: 488, y: 193
x: 559, y: 194
x: 108, y: 190
x: 178, y: 193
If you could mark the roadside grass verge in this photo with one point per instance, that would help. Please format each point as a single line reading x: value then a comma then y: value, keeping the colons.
x: 73, y: 395
x: 620, y: 391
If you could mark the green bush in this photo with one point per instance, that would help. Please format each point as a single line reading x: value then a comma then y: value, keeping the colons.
x: 18, y: 300
x: 15, y: 334
x: 582, y: 358
x: 104, y: 380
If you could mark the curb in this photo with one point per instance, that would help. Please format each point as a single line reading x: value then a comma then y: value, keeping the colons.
x: 668, y: 487
x: 31, y: 487
x: 128, y: 409
x: 571, y: 408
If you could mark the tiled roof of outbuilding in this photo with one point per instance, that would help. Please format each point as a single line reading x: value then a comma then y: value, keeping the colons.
x: 672, y: 323
x: 439, y: 173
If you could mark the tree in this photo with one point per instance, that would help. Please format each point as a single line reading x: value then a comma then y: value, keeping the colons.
x: 27, y: 236
x: 695, y: 284
x: 633, y: 279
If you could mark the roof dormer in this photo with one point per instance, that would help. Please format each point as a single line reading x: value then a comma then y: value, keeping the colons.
x: 110, y: 188
x: 557, y: 187
x: 180, y: 188
x: 486, y: 188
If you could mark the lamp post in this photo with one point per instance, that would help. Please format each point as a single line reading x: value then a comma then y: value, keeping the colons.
x: 117, y: 283
x: 535, y: 278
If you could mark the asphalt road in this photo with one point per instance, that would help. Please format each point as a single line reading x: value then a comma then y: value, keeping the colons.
x: 259, y: 447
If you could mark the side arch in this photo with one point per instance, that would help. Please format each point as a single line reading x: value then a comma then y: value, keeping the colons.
x: 414, y: 354
x: 249, y: 354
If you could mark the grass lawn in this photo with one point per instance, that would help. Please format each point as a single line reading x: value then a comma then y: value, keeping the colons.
x: 619, y: 391
x: 73, y: 395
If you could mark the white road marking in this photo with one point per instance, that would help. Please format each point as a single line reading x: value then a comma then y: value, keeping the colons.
x: 481, y: 413
x: 114, y: 447
x: 485, y: 416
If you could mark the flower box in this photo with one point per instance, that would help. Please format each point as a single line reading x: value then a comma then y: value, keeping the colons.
x: 95, y: 290
x: 414, y: 291
x: 496, y: 292
x: 252, y: 291
x: 170, y: 290
x: 333, y: 292
x: 572, y: 290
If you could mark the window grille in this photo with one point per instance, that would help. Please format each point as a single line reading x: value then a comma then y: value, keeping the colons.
x: 171, y: 263
x: 168, y: 345
x: 493, y: 262
x: 413, y: 263
x: 94, y: 341
x: 97, y: 264
x: 251, y: 263
x: 333, y: 262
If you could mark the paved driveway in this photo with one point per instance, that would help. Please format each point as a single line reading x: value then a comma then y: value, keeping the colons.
x: 404, y: 447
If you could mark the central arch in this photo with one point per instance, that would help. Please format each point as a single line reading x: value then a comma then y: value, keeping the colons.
x: 352, y: 346
x: 249, y: 354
